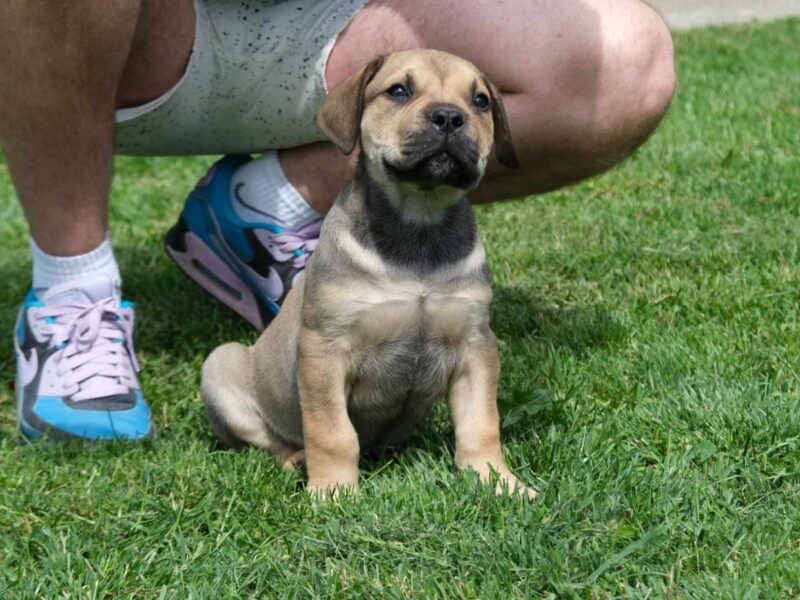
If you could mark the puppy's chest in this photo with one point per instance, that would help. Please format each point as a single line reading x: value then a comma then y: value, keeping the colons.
x: 381, y: 313
x: 404, y: 338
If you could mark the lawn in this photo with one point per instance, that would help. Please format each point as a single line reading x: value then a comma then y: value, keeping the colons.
x: 648, y: 325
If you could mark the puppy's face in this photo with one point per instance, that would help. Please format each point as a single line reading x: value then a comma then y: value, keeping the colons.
x: 425, y: 119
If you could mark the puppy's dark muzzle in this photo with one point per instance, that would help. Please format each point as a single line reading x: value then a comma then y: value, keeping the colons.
x: 441, y: 154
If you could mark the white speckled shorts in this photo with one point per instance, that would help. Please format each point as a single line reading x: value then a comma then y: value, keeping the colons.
x: 254, y: 81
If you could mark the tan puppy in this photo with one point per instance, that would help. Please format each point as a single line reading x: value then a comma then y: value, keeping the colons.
x: 393, y: 310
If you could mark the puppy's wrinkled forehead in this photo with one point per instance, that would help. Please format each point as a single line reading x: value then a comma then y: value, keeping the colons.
x: 404, y: 96
x: 430, y: 75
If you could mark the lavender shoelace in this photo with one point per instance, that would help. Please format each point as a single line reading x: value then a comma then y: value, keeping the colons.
x: 95, y: 356
x: 305, y: 239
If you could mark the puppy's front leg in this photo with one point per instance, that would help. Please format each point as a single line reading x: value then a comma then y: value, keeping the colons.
x: 472, y: 397
x: 330, y: 440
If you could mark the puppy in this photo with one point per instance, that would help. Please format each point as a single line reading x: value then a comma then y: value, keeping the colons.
x: 392, y: 312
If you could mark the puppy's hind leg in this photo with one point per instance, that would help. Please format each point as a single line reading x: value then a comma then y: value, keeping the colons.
x: 232, y: 408
x: 226, y: 389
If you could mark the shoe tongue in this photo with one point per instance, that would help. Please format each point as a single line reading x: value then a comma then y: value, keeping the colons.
x: 82, y: 291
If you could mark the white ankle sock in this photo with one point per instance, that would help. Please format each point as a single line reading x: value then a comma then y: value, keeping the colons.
x: 260, y: 190
x: 52, y: 270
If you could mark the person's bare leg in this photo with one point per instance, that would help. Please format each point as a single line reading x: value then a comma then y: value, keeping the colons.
x: 59, y: 85
x: 585, y: 82
x: 318, y: 171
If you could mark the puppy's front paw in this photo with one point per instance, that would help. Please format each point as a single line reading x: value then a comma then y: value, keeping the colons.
x: 508, y: 484
x: 330, y: 490
x: 505, y: 482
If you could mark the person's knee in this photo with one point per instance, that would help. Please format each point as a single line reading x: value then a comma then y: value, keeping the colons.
x: 645, y: 66
x: 658, y: 68
x: 606, y: 94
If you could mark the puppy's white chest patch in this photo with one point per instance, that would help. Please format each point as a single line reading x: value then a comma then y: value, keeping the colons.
x: 386, y: 304
x: 376, y: 311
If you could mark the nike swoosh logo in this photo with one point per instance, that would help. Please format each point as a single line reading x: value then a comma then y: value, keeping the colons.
x: 273, y: 285
x: 241, y: 268
x: 27, y: 366
x: 247, y: 204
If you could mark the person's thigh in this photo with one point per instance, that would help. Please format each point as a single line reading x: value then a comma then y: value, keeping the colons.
x: 514, y: 41
x: 584, y: 81
x: 253, y: 82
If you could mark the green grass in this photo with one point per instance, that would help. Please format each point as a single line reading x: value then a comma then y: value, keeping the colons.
x: 648, y: 323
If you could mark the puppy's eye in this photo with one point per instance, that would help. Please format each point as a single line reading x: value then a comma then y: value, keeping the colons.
x: 398, y: 91
x: 481, y: 101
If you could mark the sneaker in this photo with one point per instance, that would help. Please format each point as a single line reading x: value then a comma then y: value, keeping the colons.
x: 249, y: 267
x: 76, y: 368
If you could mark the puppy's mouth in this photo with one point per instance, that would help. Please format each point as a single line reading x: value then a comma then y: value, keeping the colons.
x: 452, y: 162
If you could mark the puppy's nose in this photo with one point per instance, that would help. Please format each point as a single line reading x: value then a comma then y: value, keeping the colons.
x: 447, y: 120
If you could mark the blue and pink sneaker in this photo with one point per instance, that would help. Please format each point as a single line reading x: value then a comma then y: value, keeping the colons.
x: 248, y: 266
x: 76, y: 367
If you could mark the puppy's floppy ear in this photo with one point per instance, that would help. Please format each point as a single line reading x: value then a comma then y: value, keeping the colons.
x: 503, y: 145
x: 339, y: 118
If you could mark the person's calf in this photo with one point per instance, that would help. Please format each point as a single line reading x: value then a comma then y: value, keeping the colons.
x: 61, y: 65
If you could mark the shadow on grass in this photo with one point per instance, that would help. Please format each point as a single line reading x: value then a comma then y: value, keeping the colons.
x: 553, y: 339
x: 518, y: 316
